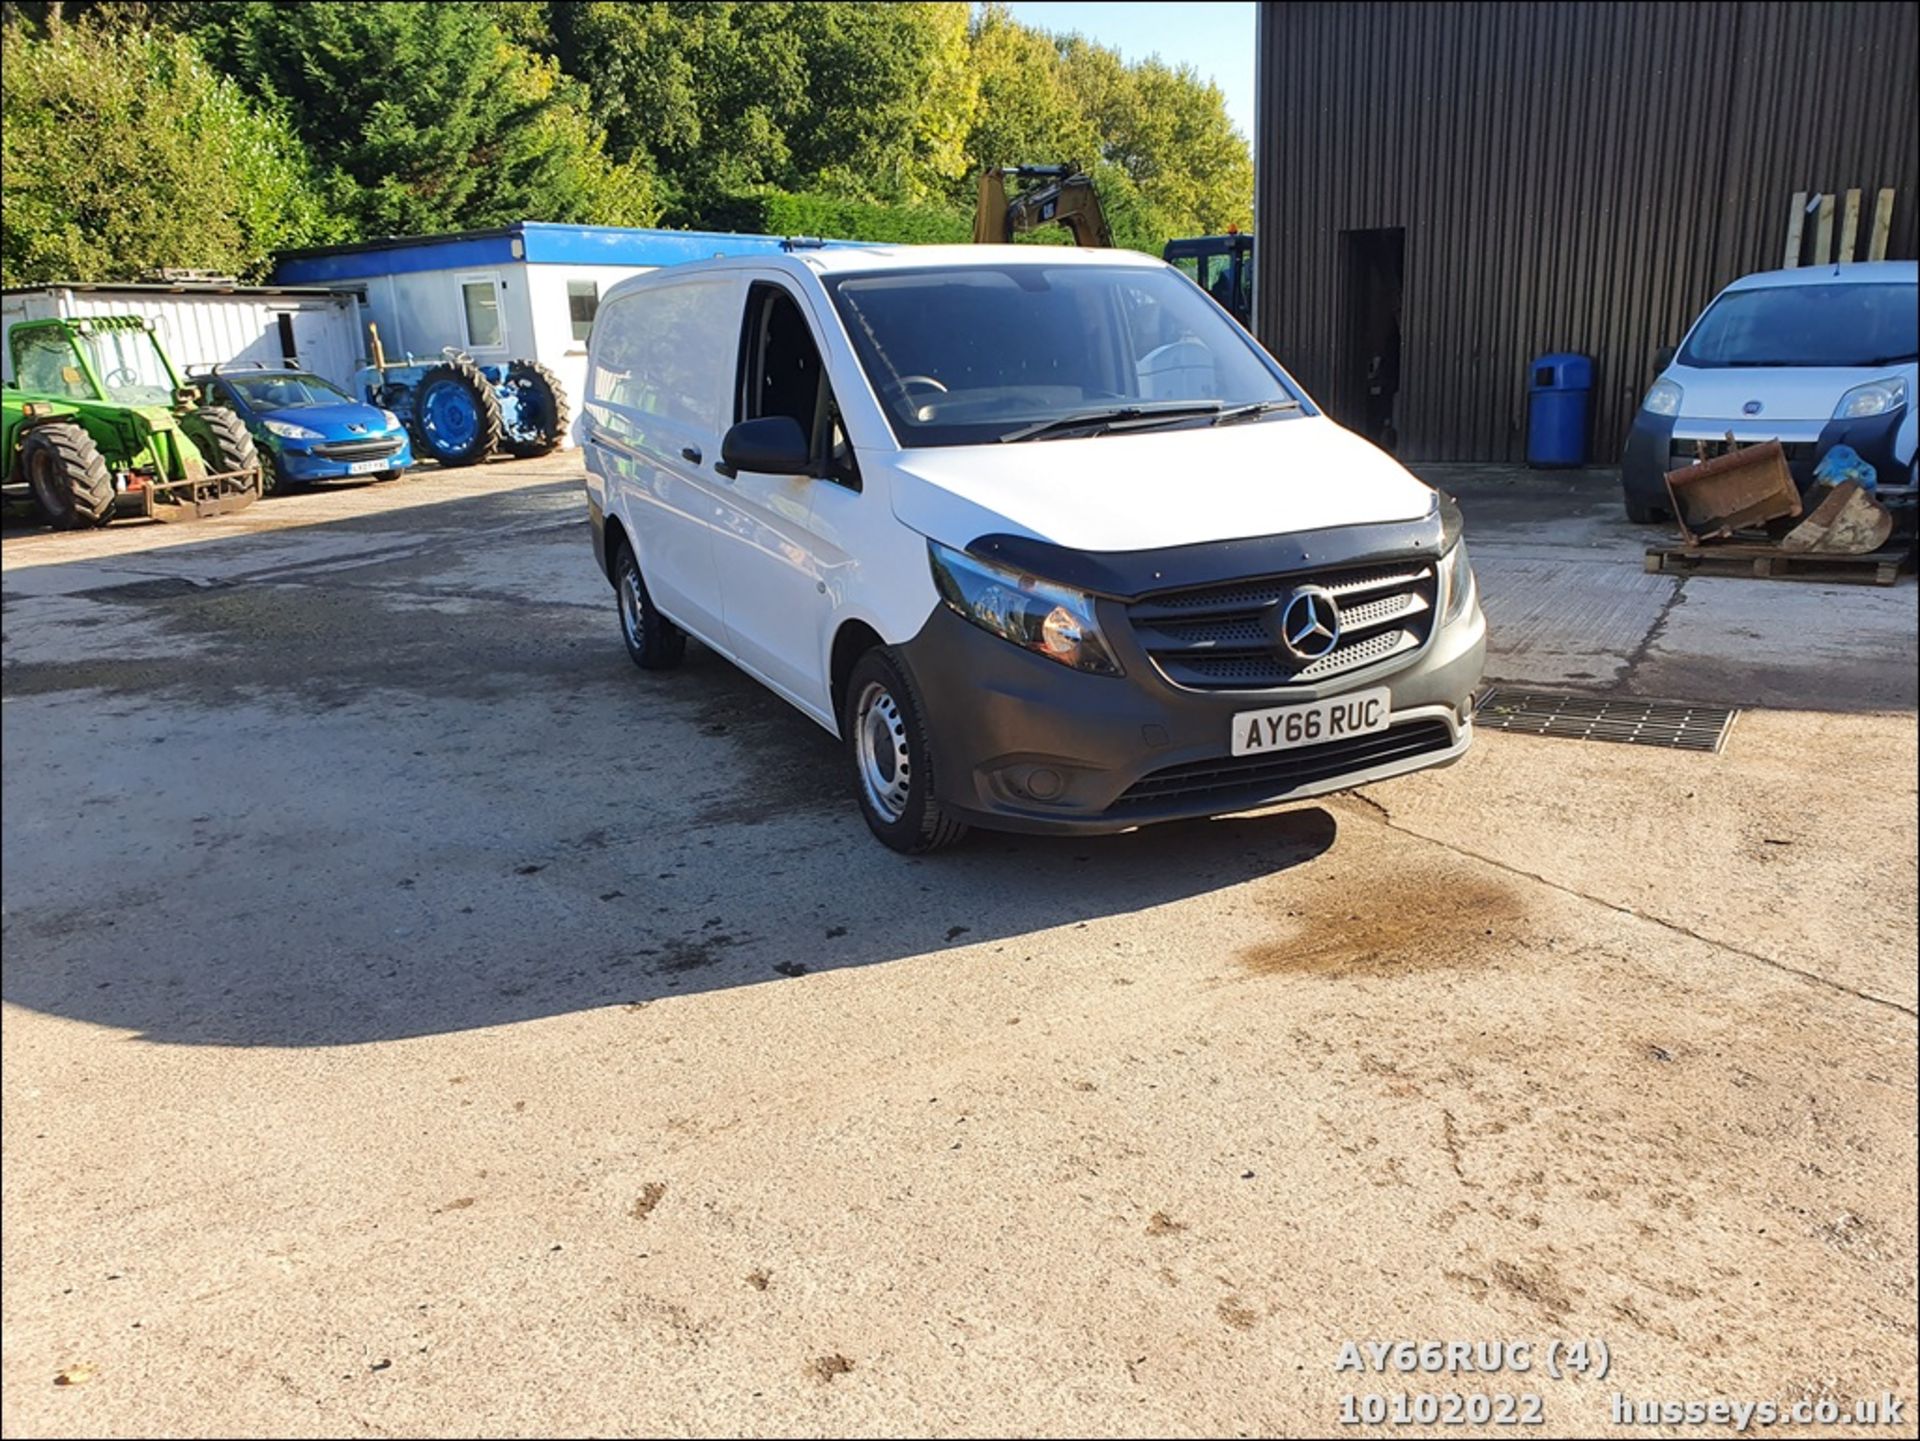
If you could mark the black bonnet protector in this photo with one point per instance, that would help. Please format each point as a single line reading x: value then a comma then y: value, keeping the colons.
x: 1130, y: 574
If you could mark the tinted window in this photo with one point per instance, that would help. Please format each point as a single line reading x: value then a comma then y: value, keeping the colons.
x: 284, y: 392
x: 966, y: 355
x: 583, y: 302
x: 483, y: 314
x: 1814, y: 325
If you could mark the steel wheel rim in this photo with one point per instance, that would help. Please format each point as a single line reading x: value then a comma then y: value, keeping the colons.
x: 881, y: 753
x: 633, y: 604
x: 451, y: 415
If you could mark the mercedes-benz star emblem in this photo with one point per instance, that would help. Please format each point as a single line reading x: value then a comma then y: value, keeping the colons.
x: 1309, y: 624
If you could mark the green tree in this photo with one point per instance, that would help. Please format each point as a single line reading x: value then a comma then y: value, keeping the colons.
x: 1027, y: 114
x: 1169, y: 131
x: 426, y: 117
x: 122, y: 152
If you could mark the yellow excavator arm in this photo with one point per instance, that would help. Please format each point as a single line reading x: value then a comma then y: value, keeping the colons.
x: 1059, y: 195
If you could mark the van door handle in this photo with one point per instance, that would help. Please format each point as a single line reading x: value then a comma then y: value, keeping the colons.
x: 690, y: 454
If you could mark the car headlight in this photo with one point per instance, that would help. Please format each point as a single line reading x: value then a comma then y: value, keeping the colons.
x: 287, y: 430
x: 392, y: 420
x: 1662, y: 399
x: 1049, y: 620
x: 1876, y: 397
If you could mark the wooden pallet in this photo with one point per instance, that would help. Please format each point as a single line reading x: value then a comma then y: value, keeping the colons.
x: 1769, y: 562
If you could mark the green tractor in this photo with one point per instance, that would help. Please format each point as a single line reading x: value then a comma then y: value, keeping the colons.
x: 97, y: 422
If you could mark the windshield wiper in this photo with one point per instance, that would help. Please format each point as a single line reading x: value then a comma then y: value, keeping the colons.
x: 1258, y: 408
x: 1098, y: 422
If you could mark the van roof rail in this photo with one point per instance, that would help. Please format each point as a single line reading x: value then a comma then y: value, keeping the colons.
x: 803, y: 242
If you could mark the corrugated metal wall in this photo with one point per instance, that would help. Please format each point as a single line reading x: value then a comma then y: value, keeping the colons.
x: 1569, y: 176
x: 201, y: 329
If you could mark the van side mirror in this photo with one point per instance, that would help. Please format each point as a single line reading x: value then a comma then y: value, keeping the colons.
x: 1663, y: 357
x: 772, y: 445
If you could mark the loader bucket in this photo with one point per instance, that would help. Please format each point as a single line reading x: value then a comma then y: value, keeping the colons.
x: 1743, y: 488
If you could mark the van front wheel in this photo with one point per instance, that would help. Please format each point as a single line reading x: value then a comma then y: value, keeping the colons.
x: 891, y: 761
x: 653, y: 641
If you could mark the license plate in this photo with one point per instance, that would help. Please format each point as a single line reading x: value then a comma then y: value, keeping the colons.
x: 1360, y: 713
x: 366, y: 467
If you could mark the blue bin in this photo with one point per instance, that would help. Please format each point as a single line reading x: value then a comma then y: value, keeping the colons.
x: 1559, y: 409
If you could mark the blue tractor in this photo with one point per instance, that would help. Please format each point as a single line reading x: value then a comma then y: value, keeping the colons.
x: 459, y: 412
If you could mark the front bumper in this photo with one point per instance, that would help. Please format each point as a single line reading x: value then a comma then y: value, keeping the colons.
x: 1659, y: 443
x: 1134, y: 750
x: 306, y: 459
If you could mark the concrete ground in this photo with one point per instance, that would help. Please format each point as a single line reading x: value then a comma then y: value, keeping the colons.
x: 418, y: 1020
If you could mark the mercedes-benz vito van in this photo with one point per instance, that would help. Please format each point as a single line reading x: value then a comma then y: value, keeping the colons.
x: 1042, y: 535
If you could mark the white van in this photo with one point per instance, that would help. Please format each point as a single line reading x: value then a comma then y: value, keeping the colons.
x: 1824, y: 359
x: 1041, y: 534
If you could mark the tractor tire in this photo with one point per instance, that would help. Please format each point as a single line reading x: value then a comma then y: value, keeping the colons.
x: 456, y: 415
x: 67, y: 475
x: 223, y: 440
x: 543, y: 414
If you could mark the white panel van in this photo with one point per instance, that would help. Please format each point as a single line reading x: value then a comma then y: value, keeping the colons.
x: 1042, y: 535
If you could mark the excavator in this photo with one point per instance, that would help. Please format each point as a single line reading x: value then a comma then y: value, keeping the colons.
x: 1048, y: 195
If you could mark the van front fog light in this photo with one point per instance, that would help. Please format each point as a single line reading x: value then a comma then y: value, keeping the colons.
x: 1034, y: 614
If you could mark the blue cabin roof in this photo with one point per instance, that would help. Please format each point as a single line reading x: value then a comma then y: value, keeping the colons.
x: 527, y: 240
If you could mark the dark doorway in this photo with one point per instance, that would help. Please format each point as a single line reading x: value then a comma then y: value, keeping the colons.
x: 1369, y: 390
x: 288, y: 349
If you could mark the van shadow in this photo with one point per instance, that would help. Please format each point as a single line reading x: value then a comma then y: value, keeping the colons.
x: 359, y: 811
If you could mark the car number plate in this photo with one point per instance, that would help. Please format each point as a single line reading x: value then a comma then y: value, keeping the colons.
x: 367, y: 467
x: 1360, y: 713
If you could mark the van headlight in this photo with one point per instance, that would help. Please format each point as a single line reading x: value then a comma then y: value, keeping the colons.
x: 287, y: 430
x: 1047, y: 619
x: 1876, y: 397
x: 1662, y: 399
x: 1456, y: 580
x: 1456, y: 576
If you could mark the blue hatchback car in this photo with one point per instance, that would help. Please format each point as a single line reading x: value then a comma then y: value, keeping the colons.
x: 308, y: 428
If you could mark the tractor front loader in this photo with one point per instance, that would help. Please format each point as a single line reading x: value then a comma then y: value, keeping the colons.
x: 97, y: 422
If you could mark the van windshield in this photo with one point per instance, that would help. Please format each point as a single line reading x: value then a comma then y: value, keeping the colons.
x: 973, y: 354
x: 1843, y: 326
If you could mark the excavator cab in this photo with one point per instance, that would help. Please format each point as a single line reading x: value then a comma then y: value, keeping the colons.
x: 1049, y: 195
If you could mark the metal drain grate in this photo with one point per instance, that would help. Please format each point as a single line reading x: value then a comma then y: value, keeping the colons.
x: 1680, y: 725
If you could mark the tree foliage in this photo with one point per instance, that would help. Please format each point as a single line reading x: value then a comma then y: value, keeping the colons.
x: 123, y: 152
x: 125, y: 148
x: 426, y: 117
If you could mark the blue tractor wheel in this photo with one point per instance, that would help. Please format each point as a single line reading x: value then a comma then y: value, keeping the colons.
x: 533, y: 408
x: 456, y: 415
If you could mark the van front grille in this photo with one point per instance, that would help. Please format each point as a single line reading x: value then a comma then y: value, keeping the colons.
x: 1222, y: 637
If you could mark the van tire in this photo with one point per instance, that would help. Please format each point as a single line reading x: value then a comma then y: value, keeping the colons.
x: 883, y: 730
x: 653, y: 641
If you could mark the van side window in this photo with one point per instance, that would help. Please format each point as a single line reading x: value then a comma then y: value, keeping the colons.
x: 653, y: 351
x: 781, y: 373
